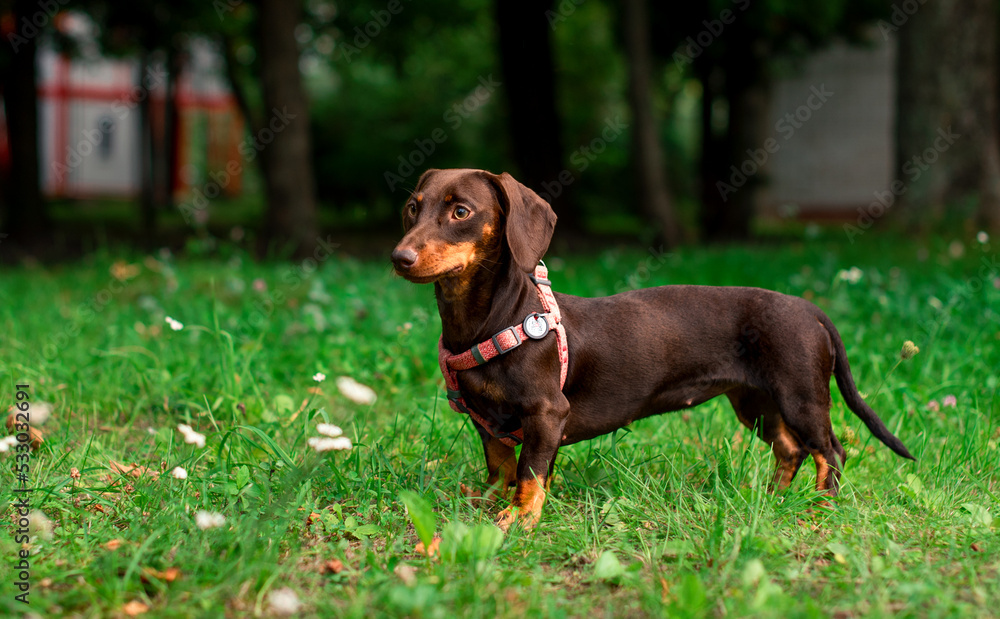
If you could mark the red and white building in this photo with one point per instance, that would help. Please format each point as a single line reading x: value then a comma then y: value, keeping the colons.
x: 90, y: 124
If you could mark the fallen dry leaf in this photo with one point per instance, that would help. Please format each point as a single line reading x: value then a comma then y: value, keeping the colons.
x: 36, y: 437
x: 168, y: 575
x: 333, y: 566
x: 134, y: 608
x: 302, y: 407
x: 975, y: 547
x: 470, y: 493
x: 114, y: 544
x: 39, y: 413
x: 428, y: 552
x: 133, y: 470
x: 312, y: 518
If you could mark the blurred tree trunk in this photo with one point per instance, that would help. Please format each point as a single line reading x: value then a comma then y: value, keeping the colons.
x: 25, y: 216
x: 171, y: 125
x: 946, y: 106
x: 729, y: 198
x: 714, y: 151
x: 985, y: 80
x: 647, y: 154
x: 235, y: 80
x: 529, y: 80
x: 749, y: 95
x: 283, y: 135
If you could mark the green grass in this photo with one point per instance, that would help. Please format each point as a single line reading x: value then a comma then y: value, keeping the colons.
x: 669, y: 518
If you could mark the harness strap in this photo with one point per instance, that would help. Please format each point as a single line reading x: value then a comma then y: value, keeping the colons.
x: 534, y: 326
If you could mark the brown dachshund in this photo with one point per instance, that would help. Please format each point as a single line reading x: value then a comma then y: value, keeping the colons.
x: 478, y: 237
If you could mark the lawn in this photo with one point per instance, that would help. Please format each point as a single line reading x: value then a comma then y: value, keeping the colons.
x: 669, y: 518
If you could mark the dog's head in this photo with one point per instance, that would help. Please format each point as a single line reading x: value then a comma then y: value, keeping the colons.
x: 457, y: 219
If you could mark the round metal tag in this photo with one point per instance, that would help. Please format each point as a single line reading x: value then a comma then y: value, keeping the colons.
x: 535, y: 326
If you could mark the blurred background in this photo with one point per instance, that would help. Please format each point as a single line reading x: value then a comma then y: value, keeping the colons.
x: 290, y: 125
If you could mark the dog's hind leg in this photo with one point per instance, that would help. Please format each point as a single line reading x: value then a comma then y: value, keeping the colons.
x: 809, y: 422
x: 829, y: 464
x: 552, y: 471
x: 839, y: 449
x: 759, y: 412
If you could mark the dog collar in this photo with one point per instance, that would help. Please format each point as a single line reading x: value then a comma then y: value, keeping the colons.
x: 535, y: 326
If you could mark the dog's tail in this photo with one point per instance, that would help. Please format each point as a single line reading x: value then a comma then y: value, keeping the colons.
x: 845, y: 381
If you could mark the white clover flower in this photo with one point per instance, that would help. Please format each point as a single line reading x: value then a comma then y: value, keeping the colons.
x: 190, y: 436
x: 983, y: 237
x: 7, y: 442
x: 328, y: 429
x: 40, y: 412
x: 39, y: 524
x: 176, y: 325
x: 319, y: 377
x: 956, y: 250
x: 209, y: 520
x: 851, y: 276
x: 284, y: 601
x: 179, y: 473
x: 325, y: 443
x: 355, y: 391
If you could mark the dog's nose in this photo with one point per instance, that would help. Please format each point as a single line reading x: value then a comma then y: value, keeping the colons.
x: 404, y: 259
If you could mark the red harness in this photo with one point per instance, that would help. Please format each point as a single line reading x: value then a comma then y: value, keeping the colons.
x: 535, y: 326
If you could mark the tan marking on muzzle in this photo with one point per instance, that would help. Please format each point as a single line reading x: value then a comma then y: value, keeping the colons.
x: 438, y: 258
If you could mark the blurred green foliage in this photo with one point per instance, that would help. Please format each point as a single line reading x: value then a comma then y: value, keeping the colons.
x: 397, y: 87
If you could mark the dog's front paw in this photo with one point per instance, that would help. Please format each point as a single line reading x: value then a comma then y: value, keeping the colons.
x: 506, y: 518
x: 512, y: 514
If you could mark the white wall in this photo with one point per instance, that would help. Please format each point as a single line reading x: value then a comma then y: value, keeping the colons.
x: 844, y: 152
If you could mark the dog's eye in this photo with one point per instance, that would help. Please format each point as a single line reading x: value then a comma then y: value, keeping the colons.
x: 413, y: 208
x: 462, y: 212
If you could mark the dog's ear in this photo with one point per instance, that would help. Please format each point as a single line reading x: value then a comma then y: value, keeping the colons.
x: 530, y: 221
